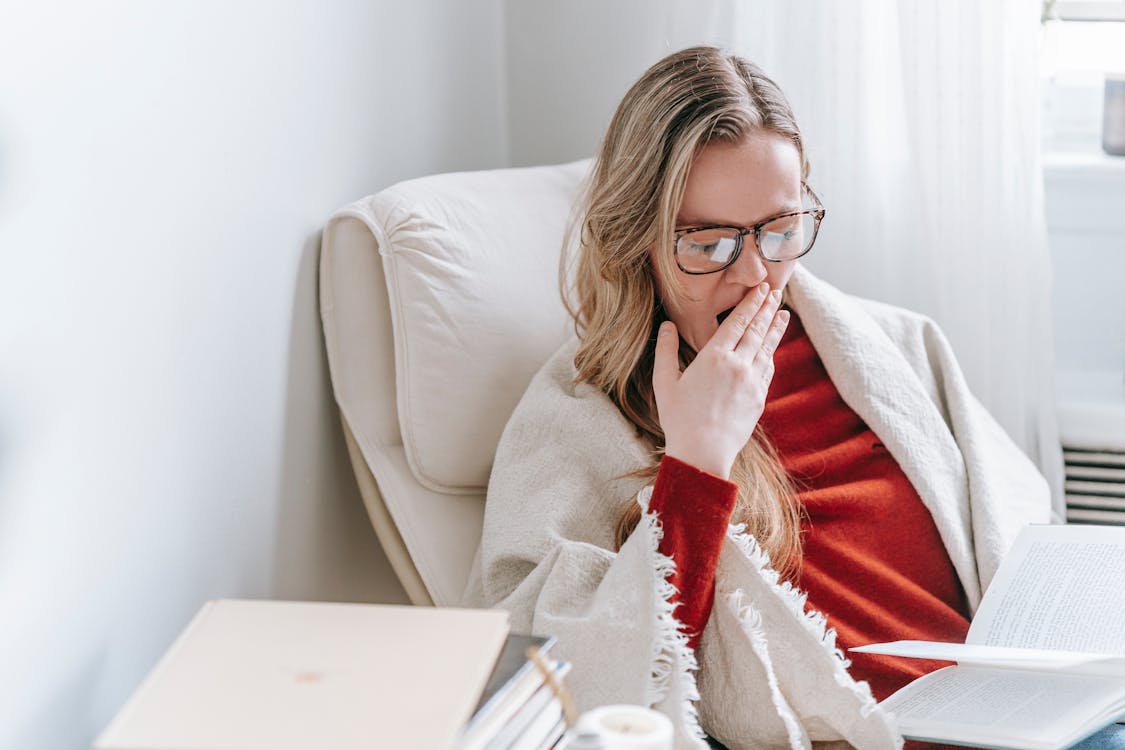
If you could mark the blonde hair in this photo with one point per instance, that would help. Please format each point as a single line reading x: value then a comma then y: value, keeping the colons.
x: 682, y: 103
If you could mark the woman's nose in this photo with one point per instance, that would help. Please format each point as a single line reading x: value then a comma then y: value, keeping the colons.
x: 748, y: 268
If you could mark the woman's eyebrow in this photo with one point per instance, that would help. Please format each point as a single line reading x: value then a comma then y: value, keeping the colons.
x: 697, y: 221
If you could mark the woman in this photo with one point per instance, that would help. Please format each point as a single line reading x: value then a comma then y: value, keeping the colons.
x: 727, y: 432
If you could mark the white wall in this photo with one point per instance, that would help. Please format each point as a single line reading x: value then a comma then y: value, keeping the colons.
x: 166, y: 430
x: 1084, y: 197
x: 566, y: 74
x: 570, y: 63
x: 1084, y: 194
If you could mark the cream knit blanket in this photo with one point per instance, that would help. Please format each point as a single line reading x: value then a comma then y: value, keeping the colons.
x: 766, y: 674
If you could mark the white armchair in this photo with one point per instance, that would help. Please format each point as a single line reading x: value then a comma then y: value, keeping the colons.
x: 439, y: 300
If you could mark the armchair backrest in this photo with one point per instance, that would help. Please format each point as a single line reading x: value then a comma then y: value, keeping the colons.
x: 439, y: 300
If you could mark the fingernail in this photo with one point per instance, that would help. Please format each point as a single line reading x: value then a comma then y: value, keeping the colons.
x: 784, y: 315
x: 763, y: 288
x: 775, y: 295
x: 665, y: 328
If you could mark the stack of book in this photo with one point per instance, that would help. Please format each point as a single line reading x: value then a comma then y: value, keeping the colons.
x: 520, y: 708
x: 246, y: 675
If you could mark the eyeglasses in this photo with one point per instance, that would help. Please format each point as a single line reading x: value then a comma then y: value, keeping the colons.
x: 788, y: 236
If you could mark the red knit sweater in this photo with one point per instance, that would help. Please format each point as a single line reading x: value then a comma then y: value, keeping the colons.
x: 873, y: 561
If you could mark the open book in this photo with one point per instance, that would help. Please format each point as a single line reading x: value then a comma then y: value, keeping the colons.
x: 1043, y: 665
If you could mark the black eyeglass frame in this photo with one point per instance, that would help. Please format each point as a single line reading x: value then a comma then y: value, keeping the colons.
x: 817, y: 214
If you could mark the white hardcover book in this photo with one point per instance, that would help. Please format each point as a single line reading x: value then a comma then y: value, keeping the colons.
x: 298, y: 675
x: 1043, y: 665
x: 543, y: 699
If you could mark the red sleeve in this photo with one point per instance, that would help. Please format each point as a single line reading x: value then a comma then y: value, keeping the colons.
x: 694, y: 509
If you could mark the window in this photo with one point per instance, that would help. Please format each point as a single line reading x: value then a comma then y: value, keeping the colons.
x: 1082, y: 43
x: 1090, y: 10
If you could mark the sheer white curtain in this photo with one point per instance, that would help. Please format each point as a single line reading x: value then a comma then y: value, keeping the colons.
x: 922, y: 125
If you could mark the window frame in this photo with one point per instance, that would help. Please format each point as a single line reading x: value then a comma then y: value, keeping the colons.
x: 1084, y: 10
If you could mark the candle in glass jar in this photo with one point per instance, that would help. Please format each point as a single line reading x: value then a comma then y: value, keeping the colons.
x: 625, y: 727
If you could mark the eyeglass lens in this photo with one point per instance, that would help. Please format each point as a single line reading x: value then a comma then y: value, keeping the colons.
x: 710, y: 249
x: 787, y: 238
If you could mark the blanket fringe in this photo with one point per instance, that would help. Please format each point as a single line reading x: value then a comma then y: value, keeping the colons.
x: 672, y: 657
x: 813, y: 621
x: 751, y: 621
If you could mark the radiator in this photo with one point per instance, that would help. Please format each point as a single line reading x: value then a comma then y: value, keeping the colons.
x: 1095, y: 486
x: 1092, y: 427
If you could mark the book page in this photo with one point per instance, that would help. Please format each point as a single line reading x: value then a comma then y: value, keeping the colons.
x: 1002, y: 656
x: 1000, y: 701
x: 1060, y: 588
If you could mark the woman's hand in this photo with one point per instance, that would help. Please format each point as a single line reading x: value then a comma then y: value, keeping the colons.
x: 709, y: 411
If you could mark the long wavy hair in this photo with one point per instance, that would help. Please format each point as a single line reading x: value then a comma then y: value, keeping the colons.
x: 682, y: 103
